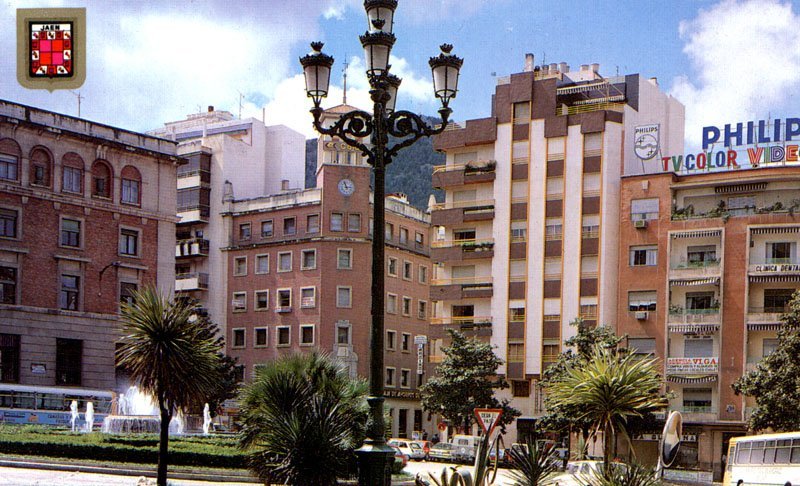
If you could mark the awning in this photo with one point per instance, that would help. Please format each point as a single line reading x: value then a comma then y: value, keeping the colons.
x: 688, y: 282
x: 691, y: 380
x: 697, y: 234
x: 774, y: 278
x: 693, y: 328
x: 770, y: 326
x: 775, y: 230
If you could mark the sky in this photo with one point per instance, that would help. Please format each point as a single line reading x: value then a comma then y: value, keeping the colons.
x: 152, y: 62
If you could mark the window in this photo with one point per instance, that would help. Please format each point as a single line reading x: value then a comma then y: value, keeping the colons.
x: 403, y: 236
x: 284, y: 299
x: 422, y: 309
x: 101, y: 179
x: 238, y: 372
x: 71, y: 233
x: 520, y: 388
x: 391, y: 340
x: 768, y: 346
x: 308, y: 297
x: 516, y: 352
x: 285, y: 261
x: 519, y: 231
x: 553, y: 229
x: 69, y: 358
x: 8, y: 285
x: 70, y: 292
x: 419, y: 239
x: 307, y: 335
x: 8, y: 223
x: 261, y: 337
x: 408, y: 270
x: 127, y: 290
x: 9, y: 358
x: 261, y: 300
x: 239, y: 302
x: 71, y: 180
x: 337, y: 222
x: 289, y: 226
x: 780, y: 252
x: 700, y: 301
x: 465, y: 234
x: 644, y: 209
x: 284, y: 335
x: 240, y: 266
x: 244, y: 231
x: 405, y: 376
x: 40, y: 167
x: 389, y: 231
x: 8, y: 167
x: 642, y: 300
x: 343, y: 297
x: 238, y: 338
x: 344, y: 259
x: 517, y: 314
x: 699, y: 255
x: 777, y: 300
x: 128, y: 242
x: 390, y: 376
x: 406, y: 306
x: 391, y: 304
x: 342, y: 334
x: 354, y: 222
x: 266, y: 229
x: 130, y: 191
x: 392, y: 264
x: 312, y: 223
x: 697, y: 400
x: 642, y: 345
x: 262, y: 263
x: 423, y: 274
x: 308, y: 260
x: 405, y: 342
x: 643, y: 256
x: 698, y: 348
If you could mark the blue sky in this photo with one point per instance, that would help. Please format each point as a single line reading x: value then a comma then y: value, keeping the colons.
x: 152, y: 62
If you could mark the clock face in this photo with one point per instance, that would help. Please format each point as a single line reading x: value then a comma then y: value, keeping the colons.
x: 346, y: 187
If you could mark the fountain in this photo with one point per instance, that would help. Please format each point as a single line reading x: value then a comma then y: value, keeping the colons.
x: 136, y: 413
x: 89, y: 416
x: 73, y: 408
x: 206, y: 419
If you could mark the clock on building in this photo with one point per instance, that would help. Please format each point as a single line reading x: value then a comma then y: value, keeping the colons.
x: 346, y: 187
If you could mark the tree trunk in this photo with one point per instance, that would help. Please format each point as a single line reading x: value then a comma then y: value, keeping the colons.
x: 608, y: 445
x: 163, y: 444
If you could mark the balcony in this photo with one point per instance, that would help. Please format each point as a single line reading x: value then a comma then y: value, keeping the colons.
x: 694, y: 270
x: 696, y: 413
x: 193, y: 214
x: 455, y: 212
x: 692, y: 366
x: 191, y: 281
x: 472, y: 325
x: 455, y: 175
x: 458, y: 250
x: 461, y: 288
x: 765, y: 318
x: 191, y: 248
x: 680, y: 317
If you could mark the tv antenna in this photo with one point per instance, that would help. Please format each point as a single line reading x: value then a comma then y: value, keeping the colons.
x: 344, y: 70
x: 79, y: 97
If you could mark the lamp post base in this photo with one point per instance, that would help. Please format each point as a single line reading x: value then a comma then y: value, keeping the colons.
x: 375, y: 465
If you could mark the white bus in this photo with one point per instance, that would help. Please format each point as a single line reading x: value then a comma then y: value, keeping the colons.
x: 50, y: 405
x: 770, y: 459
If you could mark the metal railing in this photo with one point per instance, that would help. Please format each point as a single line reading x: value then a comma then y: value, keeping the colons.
x: 475, y: 203
x: 462, y: 281
x: 683, y: 265
x: 575, y: 109
x: 465, y: 244
x: 466, y: 321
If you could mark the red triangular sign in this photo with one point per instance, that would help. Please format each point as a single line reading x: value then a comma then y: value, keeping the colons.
x: 488, y: 418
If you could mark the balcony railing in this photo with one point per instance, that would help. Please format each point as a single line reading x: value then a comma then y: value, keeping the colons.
x: 191, y: 247
x: 475, y: 203
x: 696, y: 409
x: 463, y: 320
x: 191, y: 281
x: 693, y: 366
x: 683, y: 270
x: 476, y: 244
x: 462, y: 281
x: 471, y: 167
x: 694, y: 316
x: 691, y: 265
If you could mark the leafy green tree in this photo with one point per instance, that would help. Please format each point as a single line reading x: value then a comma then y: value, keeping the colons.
x: 775, y: 382
x: 170, y: 354
x: 302, y: 417
x: 465, y: 380
x: 579, y: 349
x: 608, y: 389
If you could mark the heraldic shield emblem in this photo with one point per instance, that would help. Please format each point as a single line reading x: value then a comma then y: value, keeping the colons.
x: 51, y: 48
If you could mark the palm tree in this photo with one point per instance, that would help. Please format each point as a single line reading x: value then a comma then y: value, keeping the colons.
x: 533, y: 464
x: 302, y: 417
x: 608, y: 389
x: 169, y: 354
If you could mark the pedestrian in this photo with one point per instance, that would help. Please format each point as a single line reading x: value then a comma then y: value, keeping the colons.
x: 425, y: 435
x: 435, y: 439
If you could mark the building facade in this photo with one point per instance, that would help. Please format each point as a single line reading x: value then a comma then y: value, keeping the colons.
x: 300, y: 278
x: 88, y: 216
x: 227, y: 158
x: 526, y: 239
x: 707, y: 265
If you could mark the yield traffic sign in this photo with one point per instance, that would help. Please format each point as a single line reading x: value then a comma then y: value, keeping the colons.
x: 488, y: 418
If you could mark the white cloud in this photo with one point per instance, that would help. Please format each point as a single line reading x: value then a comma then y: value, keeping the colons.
x: 746, y: 57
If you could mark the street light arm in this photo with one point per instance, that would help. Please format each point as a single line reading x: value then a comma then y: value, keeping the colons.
x: 402, y: 124
x: 350, y: 127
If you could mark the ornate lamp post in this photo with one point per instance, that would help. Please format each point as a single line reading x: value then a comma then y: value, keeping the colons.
x: 375, y: 457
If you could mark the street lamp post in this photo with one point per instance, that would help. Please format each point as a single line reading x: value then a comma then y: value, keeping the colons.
x: 374, y: 456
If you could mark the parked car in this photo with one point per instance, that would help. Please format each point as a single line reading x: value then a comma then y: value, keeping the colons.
x: 399, y: 456
x: 442, y: 452
x: 464, y: 447
x: 426, y: 446
x: 408, y: 447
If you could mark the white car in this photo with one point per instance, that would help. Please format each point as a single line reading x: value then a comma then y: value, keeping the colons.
x: 408, y: 447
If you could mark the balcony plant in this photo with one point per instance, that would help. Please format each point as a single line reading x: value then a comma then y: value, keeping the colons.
x: 479, y: 166
x: 682, y: 213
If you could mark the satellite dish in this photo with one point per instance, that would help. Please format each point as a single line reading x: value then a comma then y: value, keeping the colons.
x: 671, y: 439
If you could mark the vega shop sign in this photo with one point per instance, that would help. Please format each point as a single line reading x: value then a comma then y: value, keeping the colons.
x: 747, y: 145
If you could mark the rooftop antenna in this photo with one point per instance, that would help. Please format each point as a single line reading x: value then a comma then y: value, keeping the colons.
x: 240, y: 103
x: 344, y: 70
x: 78, y: 95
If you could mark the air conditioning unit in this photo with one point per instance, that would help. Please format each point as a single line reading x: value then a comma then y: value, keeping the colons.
x: 641, y: 315
x: 285, y: 309
x: 640, y: 224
